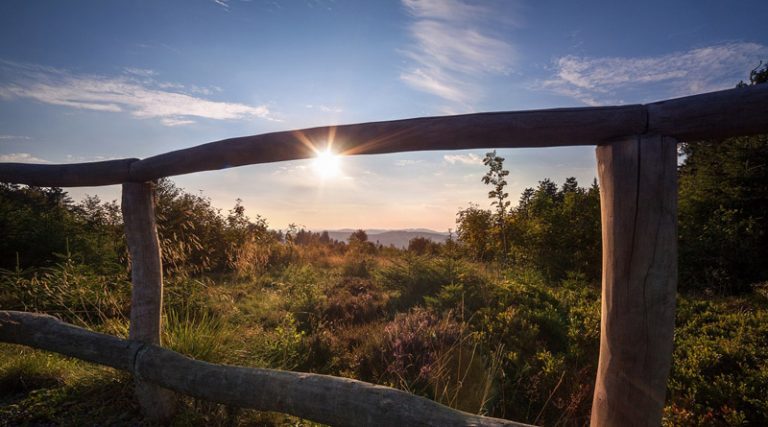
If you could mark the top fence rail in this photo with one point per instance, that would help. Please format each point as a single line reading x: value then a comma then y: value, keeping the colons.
x: 734, y: 112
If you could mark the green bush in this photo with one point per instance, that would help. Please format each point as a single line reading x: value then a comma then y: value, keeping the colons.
x: 548, y: 346
x: 719, y: 368
x: 412, y: 277
x: 353, y: 301
x: 282, y: 347
x: 39, y: 223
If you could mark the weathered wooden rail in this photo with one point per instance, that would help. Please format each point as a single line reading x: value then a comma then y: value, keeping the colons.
x: 323, y: 398
x: 636, y: 160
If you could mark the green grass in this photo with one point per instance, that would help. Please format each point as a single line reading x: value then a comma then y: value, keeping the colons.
x: 197, y: 334
x: 41, y: 388
x: 527, y: 349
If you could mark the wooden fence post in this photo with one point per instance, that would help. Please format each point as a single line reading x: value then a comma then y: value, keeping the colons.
x: 138, y: 208
x: 638, y: 196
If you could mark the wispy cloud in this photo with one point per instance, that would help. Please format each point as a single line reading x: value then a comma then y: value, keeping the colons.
x: 14, y: 138
x: 71, y: 158
x: 467, y: 159
x: 173, y: 121
x: 325, y: 108
x: 407, y: 162
x: 141, y: 97
x: 141, y: 72
x: 222, y: 3
x: 602, y: 80
x: 21, y: 158
x: 454, y: 47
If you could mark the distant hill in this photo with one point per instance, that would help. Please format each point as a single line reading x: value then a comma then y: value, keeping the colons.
x: 396, y: 238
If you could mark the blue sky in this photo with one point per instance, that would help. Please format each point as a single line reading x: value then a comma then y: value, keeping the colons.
x: 93, y: 80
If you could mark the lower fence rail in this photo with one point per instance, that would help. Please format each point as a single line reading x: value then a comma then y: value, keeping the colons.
x: 321, y: 398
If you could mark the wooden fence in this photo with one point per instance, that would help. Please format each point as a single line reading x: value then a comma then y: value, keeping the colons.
x: 637, y: 169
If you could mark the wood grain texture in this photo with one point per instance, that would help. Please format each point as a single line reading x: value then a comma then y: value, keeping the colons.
x: 49, y: 333
x: 68, y: 175
x: 638, y: 196
x: 735, y: 112
x: 138, y: 207
x: 542, y: 128
x: 321, y: 398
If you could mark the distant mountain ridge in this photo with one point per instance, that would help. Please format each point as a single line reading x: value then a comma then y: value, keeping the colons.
x: 396, y: 238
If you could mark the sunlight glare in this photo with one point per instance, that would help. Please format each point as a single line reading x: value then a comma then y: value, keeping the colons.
x: 327, y: 164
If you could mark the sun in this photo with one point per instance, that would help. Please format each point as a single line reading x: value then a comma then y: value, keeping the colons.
x: 327, y: 164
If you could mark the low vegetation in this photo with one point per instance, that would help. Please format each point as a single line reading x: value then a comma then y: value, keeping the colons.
x: 501, y: 319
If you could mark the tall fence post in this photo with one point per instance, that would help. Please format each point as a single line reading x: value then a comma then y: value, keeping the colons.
x: 638, y: 196
x: 138, y: 208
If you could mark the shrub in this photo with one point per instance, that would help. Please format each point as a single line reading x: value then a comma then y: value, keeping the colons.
x: 357, y: 265
x: 413, y: 277
x: 353, y: 301
x: 346, y: 350
x: 413, y: 344
x: 38, y: 223
x: 719, y: 373
x: 546, y: 337
x: 283, y: 347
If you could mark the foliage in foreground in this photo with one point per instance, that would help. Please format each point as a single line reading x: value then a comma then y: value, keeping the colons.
x: 506, y: 344
x: 503, y: 321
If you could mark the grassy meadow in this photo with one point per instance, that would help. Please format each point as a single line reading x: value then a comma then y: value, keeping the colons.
x: 502, y: 319
x: 513, y: 336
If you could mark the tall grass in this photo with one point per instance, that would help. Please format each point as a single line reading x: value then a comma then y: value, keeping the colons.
x: 498, y: 342
x: 71, y: 291
x: 195, y: 333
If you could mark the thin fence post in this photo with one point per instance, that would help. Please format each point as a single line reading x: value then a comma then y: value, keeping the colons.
x: 138, y: 208
x: 638, y: 197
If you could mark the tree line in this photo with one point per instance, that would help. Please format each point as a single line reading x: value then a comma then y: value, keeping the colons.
x: 554, y: 229
x: 722, y: 218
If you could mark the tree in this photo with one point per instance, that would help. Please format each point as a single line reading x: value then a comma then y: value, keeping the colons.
x: 245, y: 240
x: 496, y: 177
x: 190, y: 229
x: 723, y: 210
x: 422, y: 246
x: 39, y: 225
x: 359, y: 244
x: 358, y: 237
x: 557, y: 231
x: 473, y: 231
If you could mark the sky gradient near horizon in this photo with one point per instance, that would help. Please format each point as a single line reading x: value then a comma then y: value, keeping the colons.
x: 94, y: 80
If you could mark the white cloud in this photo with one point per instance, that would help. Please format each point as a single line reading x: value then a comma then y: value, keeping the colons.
x: 141, y: 98
x: 467, y: 159
x: 407, y: 162
x: 175, y: 121
x: 141, y: 72
x: 14, y: 138
x: 432, y: 80
x: 21, y: 158
x: 453, y: 47
x: 222, y: 3
x: 599, y: 80
x: 71, y: 158
x: 442, y: 9
x: 325, y: 108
